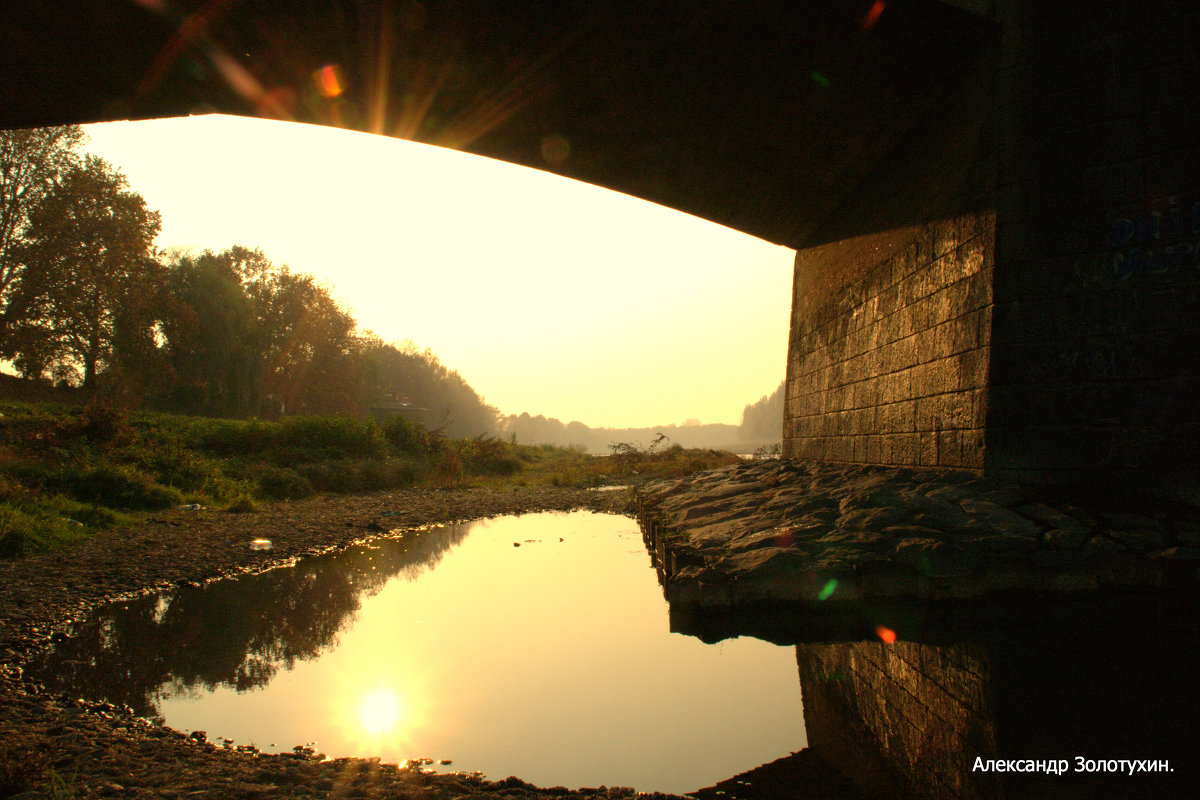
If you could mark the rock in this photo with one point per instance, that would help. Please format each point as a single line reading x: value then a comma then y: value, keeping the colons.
x: 1000, y: 518
x: 1179, y: 554
x: 947, y: 494
x: 1052, y: 518
x: 1141, y: 540
x: 1000, y: 543
x: 1004, y: 497
x: 1185, y: 534
x: 763, y: 562
x: 855, y: 539
x: 786, y: 537
x: 939, y: 513
x: 1101, y: 544
x: 936, y: 558
x: 879, y: 498
x: 914, y: 532
x: 1132, y: 521
x: 1064, y: 539
x: 874, y: 519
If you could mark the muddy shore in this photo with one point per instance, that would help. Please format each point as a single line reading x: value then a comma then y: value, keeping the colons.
x: 54, y: 745
x: 62, y: 746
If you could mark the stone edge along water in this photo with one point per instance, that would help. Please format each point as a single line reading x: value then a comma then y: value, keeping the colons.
x: 806, y: 533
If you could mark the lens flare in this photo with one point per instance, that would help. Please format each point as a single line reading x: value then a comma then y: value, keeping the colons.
x: 328, y: 80
x: 828, y: 589
x: 872, y: 16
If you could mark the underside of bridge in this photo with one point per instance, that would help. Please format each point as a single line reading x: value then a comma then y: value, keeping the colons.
x: 993, y: 202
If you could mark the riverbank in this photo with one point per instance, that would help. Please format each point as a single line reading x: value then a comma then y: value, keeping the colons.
x: 62, y: 746
x: 810, y: 535
x: 923, y: 535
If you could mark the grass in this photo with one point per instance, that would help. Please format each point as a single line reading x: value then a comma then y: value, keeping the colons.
x: 67, y: 472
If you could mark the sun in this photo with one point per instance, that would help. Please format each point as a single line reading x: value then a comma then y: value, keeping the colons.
x: 380, y: 711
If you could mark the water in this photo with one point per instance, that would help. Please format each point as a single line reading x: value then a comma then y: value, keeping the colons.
x: 536, y: 646
x: 1082, y: 682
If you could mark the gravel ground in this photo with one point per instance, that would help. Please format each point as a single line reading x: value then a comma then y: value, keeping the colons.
x: 60, y: 746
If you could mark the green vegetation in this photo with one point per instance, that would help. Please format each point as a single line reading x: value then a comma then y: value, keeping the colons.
x: 153, y: 380
x: 68, y: 471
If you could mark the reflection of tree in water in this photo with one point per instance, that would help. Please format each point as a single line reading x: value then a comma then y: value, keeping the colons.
x: 237, y: 632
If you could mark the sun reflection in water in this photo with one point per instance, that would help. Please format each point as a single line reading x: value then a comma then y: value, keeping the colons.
x: 380, y: 712
x: 378, y: 718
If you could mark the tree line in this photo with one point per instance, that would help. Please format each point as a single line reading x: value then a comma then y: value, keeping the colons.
x: 762, y: 425
x: 88, y: 302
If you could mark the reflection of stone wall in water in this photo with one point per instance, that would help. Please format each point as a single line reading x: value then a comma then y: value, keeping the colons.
x: 901, y: 720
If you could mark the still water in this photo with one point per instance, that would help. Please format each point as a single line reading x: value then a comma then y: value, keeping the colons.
x: 535, y: 645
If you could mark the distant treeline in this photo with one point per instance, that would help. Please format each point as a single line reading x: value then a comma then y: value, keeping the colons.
x: 762, y: 425
x: 88, y: 304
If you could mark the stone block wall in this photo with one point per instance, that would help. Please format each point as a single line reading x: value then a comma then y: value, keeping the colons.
x: 901, y: 720
x: 1095, y: 354
x: 891, y: 324
x: 892, y: 366
x: 1041, y: 325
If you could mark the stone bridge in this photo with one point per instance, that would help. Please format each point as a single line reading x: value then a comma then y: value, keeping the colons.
x: 995, y: 203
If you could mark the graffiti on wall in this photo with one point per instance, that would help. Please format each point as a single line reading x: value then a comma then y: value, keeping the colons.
x: 1160, y: 242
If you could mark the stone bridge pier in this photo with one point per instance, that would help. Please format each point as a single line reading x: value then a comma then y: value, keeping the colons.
x: 995, y: 203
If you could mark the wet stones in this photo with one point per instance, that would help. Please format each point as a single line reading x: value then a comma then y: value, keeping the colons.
x: 777, y: 532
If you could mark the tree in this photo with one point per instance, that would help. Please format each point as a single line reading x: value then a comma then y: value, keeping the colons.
x: 245, y: 336
x: 212, y: 335
x: 89, y: 273
x: 31, y: 162
x: 310, y: 341
x: 442, y: 398
x: 764, y: 419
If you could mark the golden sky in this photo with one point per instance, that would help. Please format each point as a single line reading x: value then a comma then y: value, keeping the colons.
x: 548, y: 295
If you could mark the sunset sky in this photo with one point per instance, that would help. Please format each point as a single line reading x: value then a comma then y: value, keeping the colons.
x: 548, y: 295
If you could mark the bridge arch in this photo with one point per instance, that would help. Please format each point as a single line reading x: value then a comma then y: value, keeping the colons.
x: 994, y: 203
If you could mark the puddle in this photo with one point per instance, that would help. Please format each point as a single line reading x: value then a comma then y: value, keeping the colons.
x: 552, y: 660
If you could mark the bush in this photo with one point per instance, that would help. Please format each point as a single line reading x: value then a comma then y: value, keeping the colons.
x: 116, y: 487
x: 410, y: 437
x: 344, y: 476
x: 281, y: 483
x: 485, y: 455
x: 235, y: 437
x: 24, y: 532
x: 102, y: 424
x: 329, y: 437
x: 242, y: 504
x: 174, y: 465
x: 448, y: 471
